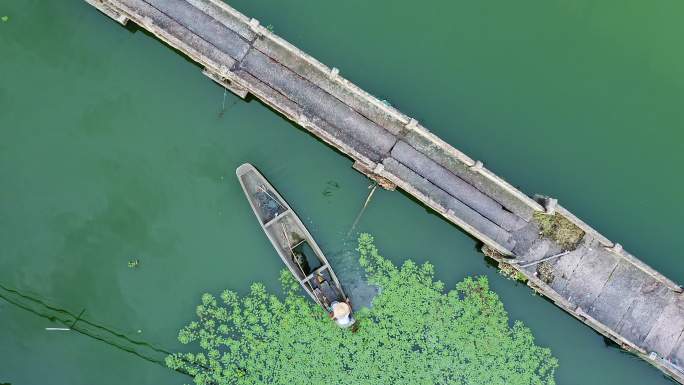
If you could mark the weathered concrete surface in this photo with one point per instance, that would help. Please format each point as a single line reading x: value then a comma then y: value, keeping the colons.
x: 459, y: 209
x: 589, y: 278
x: 619, y: 292
x: 667, y: 329
x: 227, y: 16
x: 172, y: 32
x: 677, y: 354
x: 644, y: 311
x: 345, y: 122
x: 329, y: 81
x: 599, y: 283
x: 456, y: 187
x: 564, y: 267
x: 468, y: 170
x: 203, y: 25
x: 605, y: 242
x: 616, y: 297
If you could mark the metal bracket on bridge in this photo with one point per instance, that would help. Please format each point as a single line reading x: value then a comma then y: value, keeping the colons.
x: 477, y: 166
x: 374, y: 173
x: 226, y: 83
x: 550, y: 205
x: 256, y: 27
x: 616, y: 248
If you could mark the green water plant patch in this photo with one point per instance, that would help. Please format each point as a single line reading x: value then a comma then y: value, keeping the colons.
x: 415, y: 333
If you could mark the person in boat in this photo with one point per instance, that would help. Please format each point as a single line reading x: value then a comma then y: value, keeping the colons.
x: 341, y: 313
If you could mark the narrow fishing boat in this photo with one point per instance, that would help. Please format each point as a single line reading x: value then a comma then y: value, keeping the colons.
x: 295, y: 245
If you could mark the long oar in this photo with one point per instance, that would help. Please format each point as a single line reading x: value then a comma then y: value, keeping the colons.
x: 363, y: 209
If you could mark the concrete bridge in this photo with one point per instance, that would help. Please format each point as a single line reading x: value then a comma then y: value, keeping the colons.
x: 535, y: 239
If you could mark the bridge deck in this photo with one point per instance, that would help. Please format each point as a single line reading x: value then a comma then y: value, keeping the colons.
x: 596, y: 281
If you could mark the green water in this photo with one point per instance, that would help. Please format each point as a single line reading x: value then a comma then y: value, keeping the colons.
x: 113, y: 147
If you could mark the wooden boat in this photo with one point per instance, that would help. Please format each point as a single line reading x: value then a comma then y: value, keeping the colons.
x: 295, y: 245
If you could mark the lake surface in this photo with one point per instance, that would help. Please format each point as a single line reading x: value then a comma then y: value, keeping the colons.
x: 113, y: 147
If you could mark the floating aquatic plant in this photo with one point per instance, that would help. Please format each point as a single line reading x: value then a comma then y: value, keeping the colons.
x: 415, y: 333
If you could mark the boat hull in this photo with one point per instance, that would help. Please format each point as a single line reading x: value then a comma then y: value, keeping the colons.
x: 292, y: 241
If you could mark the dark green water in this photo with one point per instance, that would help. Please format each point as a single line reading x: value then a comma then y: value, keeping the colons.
x: 112, y: 148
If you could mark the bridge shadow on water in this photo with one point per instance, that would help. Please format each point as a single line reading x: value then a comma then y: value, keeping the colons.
x: 69, y: 321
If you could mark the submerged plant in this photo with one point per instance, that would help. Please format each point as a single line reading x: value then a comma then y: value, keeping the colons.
x: 415, y: 333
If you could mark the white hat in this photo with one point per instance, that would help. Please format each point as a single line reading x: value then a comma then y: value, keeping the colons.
x: 341, y: 310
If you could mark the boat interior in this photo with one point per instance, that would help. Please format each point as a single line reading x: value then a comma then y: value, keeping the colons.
x: 269, y: 206
x: 303, y: 258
